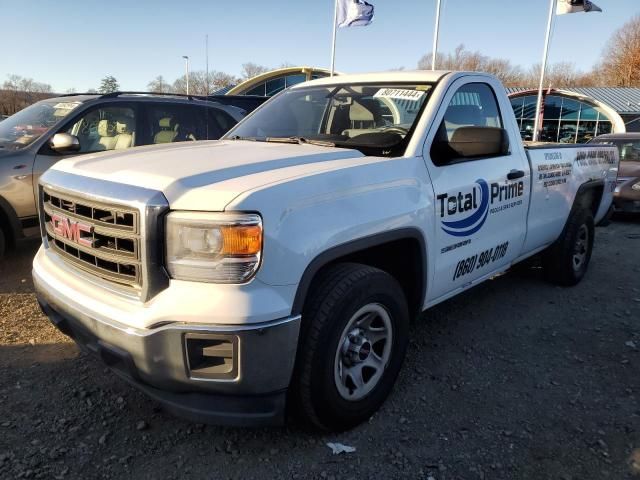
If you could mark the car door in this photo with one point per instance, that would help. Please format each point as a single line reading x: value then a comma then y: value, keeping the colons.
x: 103, y: 127
x: 480, y: 202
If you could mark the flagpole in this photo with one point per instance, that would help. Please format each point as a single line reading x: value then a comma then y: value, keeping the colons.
x: 333, y: 44
x: 536, y: 124
x: 435, y: 37
x: 206, y: 53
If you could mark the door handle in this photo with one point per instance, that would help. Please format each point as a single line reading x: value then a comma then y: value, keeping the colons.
x: 513, y: 174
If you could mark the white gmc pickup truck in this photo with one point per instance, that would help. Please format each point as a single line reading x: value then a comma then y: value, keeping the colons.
x: 277, y: 270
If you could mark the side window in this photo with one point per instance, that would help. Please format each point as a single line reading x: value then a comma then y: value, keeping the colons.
x: 220, y: 122
x: 630, y: 152
x: 105, y: 128
x: 473, y: 105
x: 177, y: 123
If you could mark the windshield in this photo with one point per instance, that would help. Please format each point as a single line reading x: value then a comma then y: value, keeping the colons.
x: 629, y: 149
x: 377, y: 118
x: 27, y: 125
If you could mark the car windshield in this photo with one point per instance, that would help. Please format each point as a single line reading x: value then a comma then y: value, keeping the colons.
x: 629, y: 149
x: 27, y: 125
x: 374, y: 118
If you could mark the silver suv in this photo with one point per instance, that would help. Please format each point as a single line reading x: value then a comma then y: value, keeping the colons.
x: 35, y: 138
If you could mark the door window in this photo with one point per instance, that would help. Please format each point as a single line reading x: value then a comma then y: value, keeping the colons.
x: 105, y: 128
x: 473, y: 105
x: 177, y: 123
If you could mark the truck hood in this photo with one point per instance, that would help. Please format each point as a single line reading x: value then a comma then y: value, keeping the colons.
x: 208, y: 175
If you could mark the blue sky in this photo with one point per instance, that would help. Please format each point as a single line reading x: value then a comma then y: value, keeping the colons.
x: 73, y: 45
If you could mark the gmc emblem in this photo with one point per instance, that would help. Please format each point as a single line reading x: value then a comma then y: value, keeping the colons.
x: 71, y: 229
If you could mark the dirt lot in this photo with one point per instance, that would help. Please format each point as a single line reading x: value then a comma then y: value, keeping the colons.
x: 514, y: 379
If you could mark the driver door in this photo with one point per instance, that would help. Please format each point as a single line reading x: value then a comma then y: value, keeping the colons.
x: 482, y: 201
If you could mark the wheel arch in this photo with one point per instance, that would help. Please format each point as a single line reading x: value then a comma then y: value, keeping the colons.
x: 589, y: 195
x: 9, y: 222
x: 402, y: 253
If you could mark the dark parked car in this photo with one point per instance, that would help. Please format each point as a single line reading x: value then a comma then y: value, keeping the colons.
x: 626, y: 197
x: 35, y: 138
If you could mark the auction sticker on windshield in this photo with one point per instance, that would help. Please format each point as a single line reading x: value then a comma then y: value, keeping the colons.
x: 399, y: 93
x: 66, y: 105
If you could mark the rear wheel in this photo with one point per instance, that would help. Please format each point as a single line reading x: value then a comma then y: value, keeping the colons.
x: 567, y: 260
x: 352, y: 348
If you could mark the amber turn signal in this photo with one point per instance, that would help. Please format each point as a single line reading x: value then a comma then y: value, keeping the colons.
x: 241, y: 240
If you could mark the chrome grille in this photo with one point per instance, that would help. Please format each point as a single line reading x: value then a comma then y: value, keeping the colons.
x: 108, y: 244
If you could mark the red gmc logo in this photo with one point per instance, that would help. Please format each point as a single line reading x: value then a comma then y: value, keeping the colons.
x: 67, y: 228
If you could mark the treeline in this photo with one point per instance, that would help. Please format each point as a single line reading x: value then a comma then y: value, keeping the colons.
x: 19, y: 92
x: 619, y: 65
x: 201, y: 84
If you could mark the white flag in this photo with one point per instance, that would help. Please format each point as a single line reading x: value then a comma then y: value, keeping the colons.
x: 354, y: 13
x: 574, y: 6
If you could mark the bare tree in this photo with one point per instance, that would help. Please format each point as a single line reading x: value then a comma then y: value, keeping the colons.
x: 200, y: 84
x: 558, y: 75
x: 250, y: 70
x: 462, y: 59
x: 620, y: 66
x: 159, y: 85
x: 218, y: 80
x: 19, y: 92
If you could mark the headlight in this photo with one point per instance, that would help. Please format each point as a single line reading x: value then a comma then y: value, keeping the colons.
x: 636, y: 186
x: 213, y: 247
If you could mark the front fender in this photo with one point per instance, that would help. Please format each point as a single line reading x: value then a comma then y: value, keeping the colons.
x: 306, y: 216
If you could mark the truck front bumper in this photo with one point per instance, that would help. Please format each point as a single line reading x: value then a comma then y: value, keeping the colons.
x: 243, y: 381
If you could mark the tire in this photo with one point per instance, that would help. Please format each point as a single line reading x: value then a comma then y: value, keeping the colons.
x: 356, y: 322
x: 567, y: 260
x: 3, y: 242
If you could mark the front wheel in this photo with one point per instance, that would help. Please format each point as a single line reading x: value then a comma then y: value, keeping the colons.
x: 355, y: 339
x: 3, y: 242
x: 567, y: 260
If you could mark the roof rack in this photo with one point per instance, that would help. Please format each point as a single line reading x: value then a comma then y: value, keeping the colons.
x: 118, y: 93
x: 76, y: 94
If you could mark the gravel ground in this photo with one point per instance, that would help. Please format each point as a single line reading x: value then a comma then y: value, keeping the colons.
x: 515, y: 379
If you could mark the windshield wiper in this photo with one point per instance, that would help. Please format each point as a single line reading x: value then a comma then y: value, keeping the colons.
x: 300, y: 141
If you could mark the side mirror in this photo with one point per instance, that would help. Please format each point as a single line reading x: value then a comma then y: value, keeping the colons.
x: 63, y: 143
x: 470, y: 142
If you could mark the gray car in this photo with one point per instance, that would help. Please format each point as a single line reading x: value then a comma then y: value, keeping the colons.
x: 626, y: 197
x: 35, y: 138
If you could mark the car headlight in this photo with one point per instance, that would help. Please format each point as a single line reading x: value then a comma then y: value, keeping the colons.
x: 636, y: 187
x: 213, y: 247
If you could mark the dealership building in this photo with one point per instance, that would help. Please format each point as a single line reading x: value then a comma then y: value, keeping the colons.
x: 572, y: 115
x: 576, y: 115
x: 274, y: 81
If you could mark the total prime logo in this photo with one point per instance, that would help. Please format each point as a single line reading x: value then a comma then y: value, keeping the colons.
x: 477, y: 203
